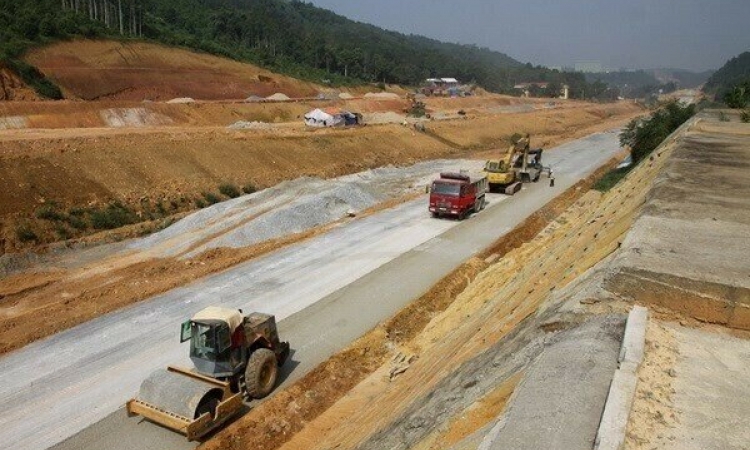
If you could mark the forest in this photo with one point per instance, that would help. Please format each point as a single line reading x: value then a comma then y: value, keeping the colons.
x: 736, y: 72
x: 291, y: 37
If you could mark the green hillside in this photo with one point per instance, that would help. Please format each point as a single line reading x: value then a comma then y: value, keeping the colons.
x: 734, y: 73
x: 290, y: 37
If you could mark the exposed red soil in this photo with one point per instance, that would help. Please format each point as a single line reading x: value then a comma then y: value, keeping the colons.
x: 93, y: 70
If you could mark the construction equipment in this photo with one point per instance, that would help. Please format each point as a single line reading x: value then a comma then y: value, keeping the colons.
x: 457, y: 194
x: 234, y: 356
x: 518, y: 165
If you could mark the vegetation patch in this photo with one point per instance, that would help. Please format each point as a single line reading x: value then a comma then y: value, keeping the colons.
x: 24, y: 233
x: 642, y: 136
x: 114, y: 215
x: 210, y: 198
x: 229, y: 190
x: 249, y: 188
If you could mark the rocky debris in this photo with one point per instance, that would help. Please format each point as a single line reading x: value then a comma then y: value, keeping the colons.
x: 132, y: 117
x: 254, y: 99
x: 13, y: 122
x: 278, y: 97
x: 399, y: 364
x: 243, y: 125
x: 345, y: 96
x: 383, y: 118
x: 382, y: 96
x: 181, y: 100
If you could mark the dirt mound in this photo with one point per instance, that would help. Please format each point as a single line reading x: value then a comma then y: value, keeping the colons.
x: 136, y: 71
x: 12, y: 88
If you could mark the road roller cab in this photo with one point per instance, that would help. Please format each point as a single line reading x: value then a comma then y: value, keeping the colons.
x: 234, y: 357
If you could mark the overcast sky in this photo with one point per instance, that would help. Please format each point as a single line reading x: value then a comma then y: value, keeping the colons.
x: 690, y: 34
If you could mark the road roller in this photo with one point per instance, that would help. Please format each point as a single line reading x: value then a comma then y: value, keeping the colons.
x: 236, y: 357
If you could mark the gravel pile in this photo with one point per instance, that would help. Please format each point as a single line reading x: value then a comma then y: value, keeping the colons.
x: 181, y: 100
x: 243, y: 125
x: 345, y: 96
x: 278, y: 97
x: 382, y: 95
x: 383, y: 118
x: 302, y: 214
x: 292, y: 207
x: 13, y: 122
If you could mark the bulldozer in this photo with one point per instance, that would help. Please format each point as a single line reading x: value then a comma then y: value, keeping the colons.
x: 235, y: 357
x: 520, y: 164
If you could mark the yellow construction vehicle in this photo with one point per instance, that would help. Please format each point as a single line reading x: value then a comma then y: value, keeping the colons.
x: 518, y: 165
x: 234, y: 356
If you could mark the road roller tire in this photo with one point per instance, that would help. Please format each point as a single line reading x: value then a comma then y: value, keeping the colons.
x: 261, y: 373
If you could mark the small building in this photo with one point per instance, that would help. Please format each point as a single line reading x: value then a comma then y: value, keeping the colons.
x: 331, y: 117
x: 527, y: 88
x: 441, y: 87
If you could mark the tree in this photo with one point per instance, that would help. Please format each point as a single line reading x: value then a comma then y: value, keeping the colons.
x: 738, y: 96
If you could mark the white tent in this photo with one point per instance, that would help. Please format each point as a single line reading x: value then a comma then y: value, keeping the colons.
x: 319, y: 118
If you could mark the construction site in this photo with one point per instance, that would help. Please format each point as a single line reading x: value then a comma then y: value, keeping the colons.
x: 204, y: 270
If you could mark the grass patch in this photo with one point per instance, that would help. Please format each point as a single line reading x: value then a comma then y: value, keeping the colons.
x: 229, y: 190
x: 611, y: 178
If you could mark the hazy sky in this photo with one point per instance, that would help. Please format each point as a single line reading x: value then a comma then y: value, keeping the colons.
x: 690, y: 34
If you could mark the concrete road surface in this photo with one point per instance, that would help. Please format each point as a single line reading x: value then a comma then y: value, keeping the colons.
x: 68, y: 390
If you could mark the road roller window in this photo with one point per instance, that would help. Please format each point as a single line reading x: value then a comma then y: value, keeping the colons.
x: 203, y: 342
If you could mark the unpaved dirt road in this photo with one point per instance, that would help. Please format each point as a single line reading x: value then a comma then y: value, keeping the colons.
x: 326, y: 291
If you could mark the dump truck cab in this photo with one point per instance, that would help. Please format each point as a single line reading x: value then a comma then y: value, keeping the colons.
x: 457, y: 194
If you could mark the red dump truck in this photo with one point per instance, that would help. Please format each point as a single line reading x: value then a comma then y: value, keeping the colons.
x: 457, y: 194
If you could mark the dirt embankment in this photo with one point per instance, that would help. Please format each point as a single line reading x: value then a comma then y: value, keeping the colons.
x: 93, y: 70
x: 163, y: 171
x: 13, y: 88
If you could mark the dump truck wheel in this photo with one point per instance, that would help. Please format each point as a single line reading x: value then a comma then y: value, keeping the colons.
x: 261, y: 373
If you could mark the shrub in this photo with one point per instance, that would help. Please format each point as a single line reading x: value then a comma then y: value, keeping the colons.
x: 62, y: 232
x: 644, y: 135
x: 79, y: 212
x: 76, y: 221
x: 229, y: 190
x: 114, y: 215
x: 211, y: 198
x: 249, y: 188
x: 745, y: 116
x: 199, y: 203
x: 48, y: 212
x: 24, y: 233
x: 738, y: 96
